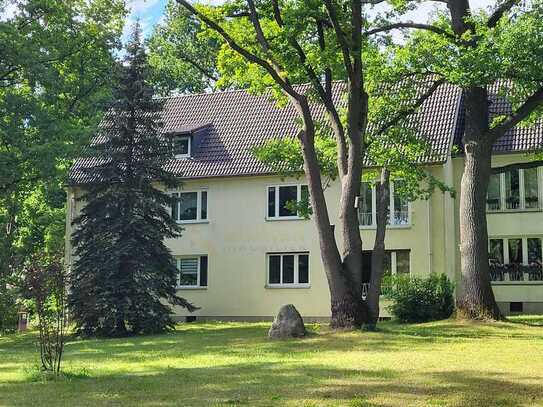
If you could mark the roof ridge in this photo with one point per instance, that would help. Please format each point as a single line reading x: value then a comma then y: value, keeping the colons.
x: 221, y: 91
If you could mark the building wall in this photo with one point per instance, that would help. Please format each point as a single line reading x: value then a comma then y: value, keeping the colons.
x: 528, y: 223
x: 237, y: 236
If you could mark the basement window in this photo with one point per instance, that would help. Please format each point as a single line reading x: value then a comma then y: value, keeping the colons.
x: 516, y: 306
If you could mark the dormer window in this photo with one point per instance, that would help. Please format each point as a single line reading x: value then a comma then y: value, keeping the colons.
x: 181, y: 146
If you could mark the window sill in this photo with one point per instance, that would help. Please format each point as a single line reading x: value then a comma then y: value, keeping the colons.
x: 373, y: 227
x: 192, y: 222
x: 506, y: 283
x: 288, y: 286
x: 190, y: 287
x: 525, y: 210
x: 284, y: 218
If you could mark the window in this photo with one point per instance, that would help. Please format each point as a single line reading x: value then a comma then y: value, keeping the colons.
x: 494, y: 200
x: 496, y: 251
x: 398, y: 208
x: 515, y: 250
x: 514, y: 190
x: 288, y: 269
x: 534, y: 250
x: 515, y: 307
x: 366, y: 205
x: 181, y: 146
x: 531, y: 188
x: 516, y: 259
x: 395, y: 262
x: 282, y: 201
x: 192, y: 271
x: 189, y: 207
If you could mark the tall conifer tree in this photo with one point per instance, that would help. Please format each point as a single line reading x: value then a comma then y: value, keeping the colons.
x: 124, y: 277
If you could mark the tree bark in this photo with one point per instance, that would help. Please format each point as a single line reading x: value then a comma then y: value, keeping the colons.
x: 345, y: 303
x: 378, y: 254
x: 476, y: 298
x: 343, y: 272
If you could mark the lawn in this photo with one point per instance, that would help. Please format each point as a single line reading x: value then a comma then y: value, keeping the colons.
x: 443, y: 363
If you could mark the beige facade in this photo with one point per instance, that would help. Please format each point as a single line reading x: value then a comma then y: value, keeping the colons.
x: 238, y: 237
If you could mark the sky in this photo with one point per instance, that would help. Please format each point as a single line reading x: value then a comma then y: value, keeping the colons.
x: 150, y: 12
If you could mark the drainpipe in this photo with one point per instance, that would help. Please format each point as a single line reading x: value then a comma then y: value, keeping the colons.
x: 430, y: 251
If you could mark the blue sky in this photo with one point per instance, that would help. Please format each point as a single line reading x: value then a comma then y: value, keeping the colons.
x: 149, y: 12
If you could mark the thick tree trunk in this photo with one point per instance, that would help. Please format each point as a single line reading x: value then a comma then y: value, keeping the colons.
x: 476, y: 298
x: 378, y: 253
x: 346, y: 304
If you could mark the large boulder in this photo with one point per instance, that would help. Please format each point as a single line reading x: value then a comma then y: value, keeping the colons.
x: 287, y: 324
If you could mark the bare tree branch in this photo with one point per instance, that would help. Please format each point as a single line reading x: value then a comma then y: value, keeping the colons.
x: 411, y: 109
x: 529, y: 105
x: 340, y: 35
x: 251, y: 57
x: 396, y: 26
x: 500, y: 11
x: 208, y: 74
x: 325, y: 93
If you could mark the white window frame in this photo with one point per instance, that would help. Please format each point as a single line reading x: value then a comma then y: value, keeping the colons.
x: 198, y: 206
x: 189, y: 139
x: 391, y: 206
x: 522, y: 194
x: 296, y: 283
x: 505, y: 243
x: 276, y: 217
x: 198, y: 262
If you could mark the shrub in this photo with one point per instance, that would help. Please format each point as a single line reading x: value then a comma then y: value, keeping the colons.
x: 417, y: 299
x: 8, y: 309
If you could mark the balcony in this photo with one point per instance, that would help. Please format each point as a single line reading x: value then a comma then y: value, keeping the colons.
x: 516, y: 273
x: 399, y: 218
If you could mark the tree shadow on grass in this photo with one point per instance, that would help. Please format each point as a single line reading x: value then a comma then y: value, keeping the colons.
x: 276, y: 384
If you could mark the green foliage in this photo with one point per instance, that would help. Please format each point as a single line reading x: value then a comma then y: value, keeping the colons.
x: 8, y: 309
x: 124, y: 272
x: 55, y: 70
x: 417, y: 299
x: 45, y: 284
x: 284, y: 156
x: 182, y: 55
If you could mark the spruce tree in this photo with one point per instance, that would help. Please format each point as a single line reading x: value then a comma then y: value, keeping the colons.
x: 123, y: 279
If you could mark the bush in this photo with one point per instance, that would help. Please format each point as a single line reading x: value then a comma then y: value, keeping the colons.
x: 417, y: 299
x: 8, y: 310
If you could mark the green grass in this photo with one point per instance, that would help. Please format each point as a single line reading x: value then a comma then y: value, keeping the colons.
x: 443, y: 363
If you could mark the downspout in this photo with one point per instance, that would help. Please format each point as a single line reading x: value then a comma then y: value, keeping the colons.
x: 430, y: 249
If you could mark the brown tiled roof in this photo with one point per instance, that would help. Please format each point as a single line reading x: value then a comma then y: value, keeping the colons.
x: 519, y: 139
x: 232, y: 122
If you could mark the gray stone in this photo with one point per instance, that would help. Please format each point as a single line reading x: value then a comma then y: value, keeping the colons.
x: 287, y: 324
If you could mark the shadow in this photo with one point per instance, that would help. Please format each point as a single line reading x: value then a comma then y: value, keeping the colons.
x: 230, y: 364
x: 271, y: 384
